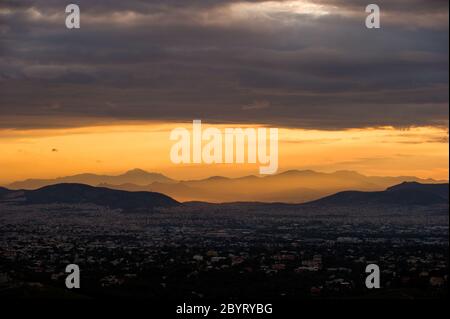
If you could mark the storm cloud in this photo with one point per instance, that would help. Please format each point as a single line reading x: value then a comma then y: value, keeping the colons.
x: 309, y: 64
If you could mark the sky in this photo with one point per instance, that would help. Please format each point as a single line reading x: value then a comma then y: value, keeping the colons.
x: 103, y: 98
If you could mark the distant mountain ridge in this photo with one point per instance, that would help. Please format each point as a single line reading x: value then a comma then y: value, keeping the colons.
x: 294, y: 186
x: 135, y: 176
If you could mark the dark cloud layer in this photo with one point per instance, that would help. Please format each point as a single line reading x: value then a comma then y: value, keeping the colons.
x: 286, y: 63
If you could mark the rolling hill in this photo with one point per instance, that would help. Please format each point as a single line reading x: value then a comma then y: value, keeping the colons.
x: 402, y: 194
x: 85, y: 194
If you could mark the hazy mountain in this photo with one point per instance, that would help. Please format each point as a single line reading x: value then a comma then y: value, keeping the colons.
x: 82, y: 194
x: 402, y: 194
x: 227, y: 192
x: 292, y: 186
x: 289, y: 187
x: 135, y: 176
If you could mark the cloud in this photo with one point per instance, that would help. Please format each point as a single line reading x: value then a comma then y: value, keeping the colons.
x: 257, y: 105
x: 294, y: 63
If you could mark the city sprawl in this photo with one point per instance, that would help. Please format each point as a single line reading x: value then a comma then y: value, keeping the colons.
x: 200, y: 250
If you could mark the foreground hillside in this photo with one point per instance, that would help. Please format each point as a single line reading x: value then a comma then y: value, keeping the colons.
x: 85, y: 194
x: 404, y: 194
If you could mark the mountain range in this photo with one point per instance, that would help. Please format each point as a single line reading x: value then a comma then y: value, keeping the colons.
x: 135, y: 176
x: 404, y: 194
x: 294, y: 186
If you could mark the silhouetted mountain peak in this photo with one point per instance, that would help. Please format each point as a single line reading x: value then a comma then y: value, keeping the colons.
x: 295, y: 172
x: 217, y: 178
x: 409, y: 185
x: 137, y: 172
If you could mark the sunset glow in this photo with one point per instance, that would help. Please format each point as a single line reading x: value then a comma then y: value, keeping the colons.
x: 48, y: 153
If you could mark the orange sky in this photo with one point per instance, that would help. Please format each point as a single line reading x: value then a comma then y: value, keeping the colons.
x: 113, y: 149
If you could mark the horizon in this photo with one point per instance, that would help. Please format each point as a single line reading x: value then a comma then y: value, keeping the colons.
x: 324, y: 197
x: 115, y: 174
x: 290, y: 186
